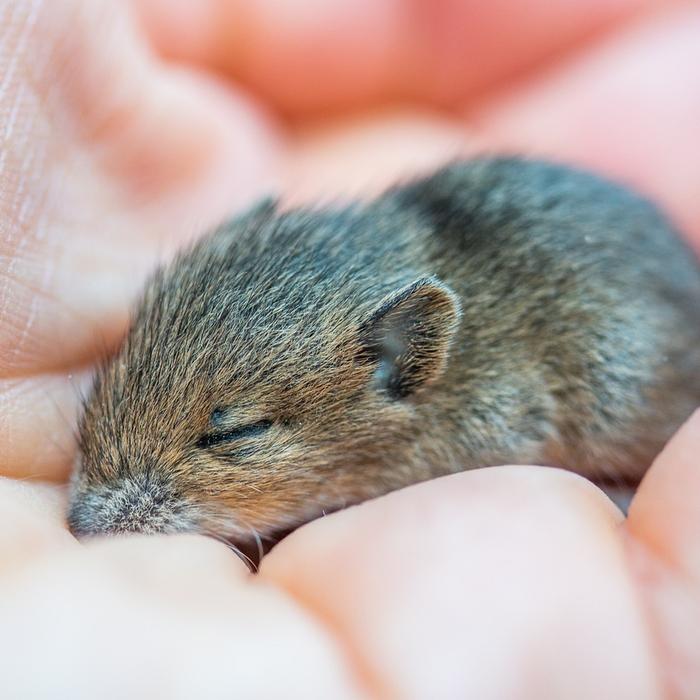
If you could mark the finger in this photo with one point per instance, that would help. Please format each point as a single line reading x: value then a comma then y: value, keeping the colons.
x: 85, y: 167
x: 440, y: 587
x: 305, y: 57
x: 376, y: 149
x: 109, y: 160
x: 129, y: 558
x: 37, y: 424
x: 664, y: 525
x: 167, y: 617
x: 665, y: 513
x: 31, y: 523
x: 144, y: 616
x: 629, y: 107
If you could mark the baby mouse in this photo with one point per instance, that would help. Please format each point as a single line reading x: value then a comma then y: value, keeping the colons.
x: 292, y: 363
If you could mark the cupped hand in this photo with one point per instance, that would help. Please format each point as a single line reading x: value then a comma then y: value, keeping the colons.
x: 123, y: 137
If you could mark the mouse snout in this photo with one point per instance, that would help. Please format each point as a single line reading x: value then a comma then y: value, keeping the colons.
x: 130, y: 505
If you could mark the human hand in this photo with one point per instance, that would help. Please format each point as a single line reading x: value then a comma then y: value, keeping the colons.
x: 507, y: 582
x: 608, y: 85
x: 111, y: 158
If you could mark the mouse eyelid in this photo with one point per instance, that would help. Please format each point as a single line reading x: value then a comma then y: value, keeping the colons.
x: 244, y: 431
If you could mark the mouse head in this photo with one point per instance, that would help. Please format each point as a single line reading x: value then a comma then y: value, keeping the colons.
x: 258, y: 388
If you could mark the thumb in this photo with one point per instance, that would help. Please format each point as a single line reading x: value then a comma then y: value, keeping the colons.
x: 664, y: 529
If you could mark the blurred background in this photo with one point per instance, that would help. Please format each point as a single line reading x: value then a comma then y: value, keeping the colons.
x: 367, y: 90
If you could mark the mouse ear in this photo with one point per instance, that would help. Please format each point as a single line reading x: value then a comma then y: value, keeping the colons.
x: 409, y: 336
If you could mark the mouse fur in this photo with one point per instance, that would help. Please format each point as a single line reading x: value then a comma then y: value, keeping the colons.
x: 291, y: 363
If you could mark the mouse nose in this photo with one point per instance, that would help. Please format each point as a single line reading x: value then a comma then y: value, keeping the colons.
x: 127, y: 506
x: 85, y: 520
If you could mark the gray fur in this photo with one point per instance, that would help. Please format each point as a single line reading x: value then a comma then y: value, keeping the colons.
x: 497, y: 311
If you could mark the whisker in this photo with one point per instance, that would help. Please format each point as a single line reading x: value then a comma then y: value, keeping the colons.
x: 69, y: 424
x: 252, y: 566
x: 258, y: 542
x: 229, y: 521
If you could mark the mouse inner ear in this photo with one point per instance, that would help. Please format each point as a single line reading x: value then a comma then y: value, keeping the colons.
x: 409, y: 335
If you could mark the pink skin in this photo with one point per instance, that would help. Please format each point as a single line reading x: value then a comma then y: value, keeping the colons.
x: 508, y: 582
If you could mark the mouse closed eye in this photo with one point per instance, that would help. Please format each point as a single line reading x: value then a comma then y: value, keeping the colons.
x: 233, y: 434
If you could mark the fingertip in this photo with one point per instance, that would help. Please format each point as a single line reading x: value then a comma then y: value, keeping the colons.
x: 664, y: 515
x: 422, y: 582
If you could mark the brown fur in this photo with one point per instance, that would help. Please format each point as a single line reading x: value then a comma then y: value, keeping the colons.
x: 294, y: 363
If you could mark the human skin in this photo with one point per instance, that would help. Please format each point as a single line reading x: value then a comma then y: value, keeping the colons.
x: 507, y: 582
